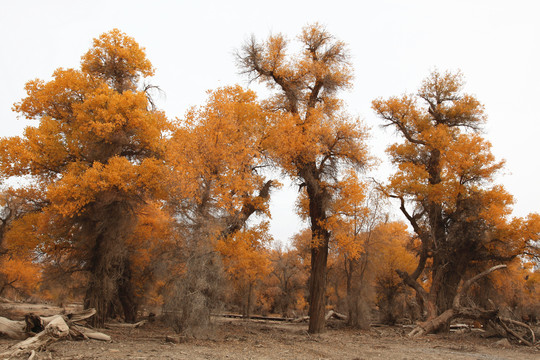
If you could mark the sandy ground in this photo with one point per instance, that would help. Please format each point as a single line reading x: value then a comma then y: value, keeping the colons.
x: 239, y: 339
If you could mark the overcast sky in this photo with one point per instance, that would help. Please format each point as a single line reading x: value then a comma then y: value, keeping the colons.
x: 394, y: 45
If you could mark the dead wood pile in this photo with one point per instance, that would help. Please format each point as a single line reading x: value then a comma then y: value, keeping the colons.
x: 38, y: 332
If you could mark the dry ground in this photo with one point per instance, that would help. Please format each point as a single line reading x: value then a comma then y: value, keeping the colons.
x: 240, y: 339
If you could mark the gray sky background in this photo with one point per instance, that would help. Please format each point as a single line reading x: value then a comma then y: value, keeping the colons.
x: 394, y: 45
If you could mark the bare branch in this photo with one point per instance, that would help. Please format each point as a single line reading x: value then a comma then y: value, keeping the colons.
x: 467, y: 284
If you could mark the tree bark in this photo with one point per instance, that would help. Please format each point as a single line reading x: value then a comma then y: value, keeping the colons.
x: 444, y: 290
x: 109, y: 223
x: 441, y: 321
x: 98, y: 292
x: 317, y: 288
x: 320, y: 236
x: 126, y: 294
x: 248, y: 302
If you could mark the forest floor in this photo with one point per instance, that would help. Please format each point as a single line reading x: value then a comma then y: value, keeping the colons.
x: 257, y: 339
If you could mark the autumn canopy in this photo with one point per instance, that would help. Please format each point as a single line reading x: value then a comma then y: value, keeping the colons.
x: 127, y: 210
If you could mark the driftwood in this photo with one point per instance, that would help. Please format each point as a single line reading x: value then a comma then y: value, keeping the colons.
x: 301, y: 319
x: 506, y: 325
x: 329, y: 315
x: 256, y: 317
x: 333, y: 314
x: 13, y: 329
x: 127, y: 325
x: 501, y: 325
x: 39, y: 332
x: 54, y: 330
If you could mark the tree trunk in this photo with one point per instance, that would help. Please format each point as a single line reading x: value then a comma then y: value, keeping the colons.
x: 349, y: 272
x: 319, y: 252
x: 317, y: 288
x: 248, y: 302
x: 444, y: 289
x: 447, y: 290
x: 97, y: 295
x: 320, y: 236
x: 126, y: 294
x: 109, y: 224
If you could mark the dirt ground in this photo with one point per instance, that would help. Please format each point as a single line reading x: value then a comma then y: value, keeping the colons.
x: 241, y: 339
x: 238, y: 339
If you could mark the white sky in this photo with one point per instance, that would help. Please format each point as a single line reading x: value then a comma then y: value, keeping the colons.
x: 394, y: 45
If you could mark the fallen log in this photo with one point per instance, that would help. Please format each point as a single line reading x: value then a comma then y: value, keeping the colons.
x: 13, y: 329
x: 55, y: 330
x: 436, y: 323
x: 255, y: 317
x: 39, y: 332
x: 330, y: 314
x: 127, y: 325
x: 301, y: 319
x: 502, y: 326
x: 506, y: 325
x: 333, y: 314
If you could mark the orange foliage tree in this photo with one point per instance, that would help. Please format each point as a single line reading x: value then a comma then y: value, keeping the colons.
x: 444, y: 185
x: 284, y: 287
x: 148, y: 246
x: 309, y: 137
x: 18, y: 268
x: 516, y: 291
x: 352, y: 219
x: 246, y: 261
x: 95, y: 155
x: 367, y: 247
x: 216, y: 156
x: 216, y: 185
x: 19, y: 216
x: 392, y: 254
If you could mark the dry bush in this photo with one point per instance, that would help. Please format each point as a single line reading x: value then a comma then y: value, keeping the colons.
x: 197, y: 293
x: 359, y: 304
x: 399, y: 308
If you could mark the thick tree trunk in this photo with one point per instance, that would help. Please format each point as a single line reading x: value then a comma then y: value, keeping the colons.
x: 446, y: 278
x: 94, y: 293
x: 126, y: 294
x: 317, y: 288
x: 110, y: 281
x: 447, y: 287
x: 318, y: 202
